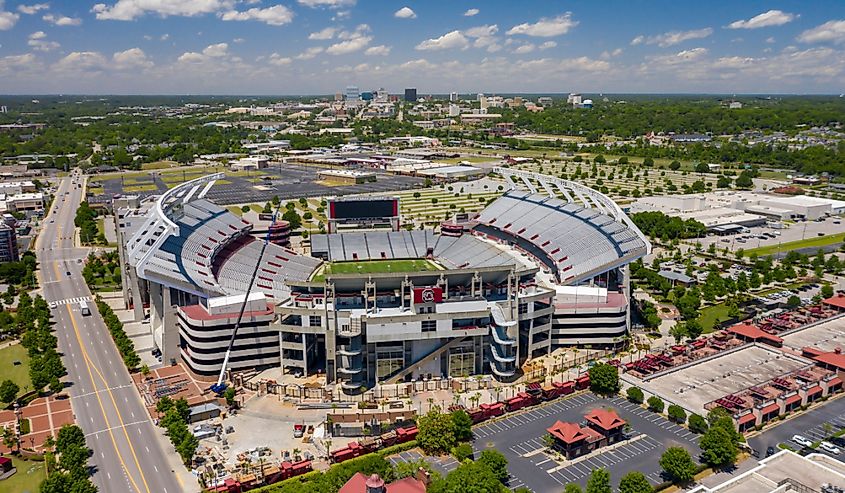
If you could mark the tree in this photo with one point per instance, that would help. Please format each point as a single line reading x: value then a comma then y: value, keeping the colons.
x: 793, y: 301
x: 693, y: 328
x: 678, y: 332
x: 826, y: 291
x: 462, y: 452
x: 599, y: 481
x: 655, y: 404
x: 697, y: 424
x: 245, y: 209
x: 8, y: 391
x: 573, y: 488
x: 469, y: 477
x: 56, y: 385
x: 436, y: 431
x: 635, y: 482
x: 646, y: 162
x: 676, y: 413
x: 702, y: 167
x: 463, y: 425
x: 70, y: 436
x: 229, y: 395
x: 635, y: 395
x: 675, y: 165
x: 744, y: 180
x: 496, y: 462
x: 678, y: 465
x: 604, y: 379
x: 718, y: 446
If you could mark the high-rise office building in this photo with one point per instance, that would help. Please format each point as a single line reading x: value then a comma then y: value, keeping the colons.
x: 453, y: 97
x: 8, y: 243
x: 353, y: 97
x: 411, y: 94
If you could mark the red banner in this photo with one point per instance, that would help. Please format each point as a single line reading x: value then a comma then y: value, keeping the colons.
x: 428, y: 295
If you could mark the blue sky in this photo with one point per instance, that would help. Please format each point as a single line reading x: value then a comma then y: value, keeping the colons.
x: 321, y: 46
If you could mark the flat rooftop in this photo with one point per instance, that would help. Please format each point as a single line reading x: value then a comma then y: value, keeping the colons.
x: 826, y: 336
x: 811, y: 472
x: 728, y: 373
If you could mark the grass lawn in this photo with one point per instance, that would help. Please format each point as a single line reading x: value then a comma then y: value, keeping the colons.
x: 140, y: 188
x: 26, y: 480
x: 712, y: 315
x: 375, y: 267
x: 235, y: 210
x: 159, y: 165
x: 16, y: 373
x: 817, y: 242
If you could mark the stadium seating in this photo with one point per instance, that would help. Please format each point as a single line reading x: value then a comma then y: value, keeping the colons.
x: 576, y: 241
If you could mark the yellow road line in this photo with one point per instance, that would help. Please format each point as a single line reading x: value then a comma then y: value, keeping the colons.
x: 88, y: 365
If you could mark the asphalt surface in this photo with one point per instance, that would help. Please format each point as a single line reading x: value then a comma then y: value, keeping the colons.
x: 810, y: 424
x: 290, y: 181
x: 522, y: 434
x: 127, y: 453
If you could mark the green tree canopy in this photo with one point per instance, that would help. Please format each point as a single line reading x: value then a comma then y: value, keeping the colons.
x: 678, y: 464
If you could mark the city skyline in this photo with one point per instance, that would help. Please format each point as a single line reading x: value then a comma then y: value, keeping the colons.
x: 322, y: 46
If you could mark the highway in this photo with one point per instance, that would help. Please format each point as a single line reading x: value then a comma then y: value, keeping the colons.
x: 128, y: 456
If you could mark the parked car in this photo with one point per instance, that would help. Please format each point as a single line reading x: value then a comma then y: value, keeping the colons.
x: 770, y: 451
x: 803, y: 441
x: 830, y: 448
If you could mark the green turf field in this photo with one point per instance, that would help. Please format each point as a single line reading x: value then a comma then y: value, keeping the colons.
x: 26, y: 480
x: 814, y: 242
x: 375, y: 267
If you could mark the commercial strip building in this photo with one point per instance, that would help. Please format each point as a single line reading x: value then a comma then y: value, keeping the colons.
x: 724, y: 208
x: 530, y: 273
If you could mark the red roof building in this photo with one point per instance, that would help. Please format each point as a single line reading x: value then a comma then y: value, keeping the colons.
x: 836, y: 301
x: 605, y: 420
x: 361, y: 483
x: 752, y: 333
x: 833, y: 360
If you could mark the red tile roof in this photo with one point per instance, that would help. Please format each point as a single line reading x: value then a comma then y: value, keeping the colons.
x: 358, y: 484
x: 837, y: 300
x: 747, y: 418
x: 753, y: 332
x: 770, y: 408
x: 605, y: 419
x: 567, y: 432
x: 834, y: 358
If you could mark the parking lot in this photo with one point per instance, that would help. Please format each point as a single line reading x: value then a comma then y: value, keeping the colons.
x: 288, y: 181
x: 520, y: 438
x: 761, y: 236
x: 815, y: 425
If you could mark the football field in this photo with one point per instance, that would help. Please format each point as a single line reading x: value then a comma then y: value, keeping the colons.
x: 375, y: 267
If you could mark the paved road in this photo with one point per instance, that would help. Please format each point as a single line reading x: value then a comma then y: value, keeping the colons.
x: 127, y: 454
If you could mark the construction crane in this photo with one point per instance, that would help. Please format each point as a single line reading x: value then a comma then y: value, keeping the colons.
x: 220, y: 387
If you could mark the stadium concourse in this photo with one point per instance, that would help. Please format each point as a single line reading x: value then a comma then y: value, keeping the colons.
x: 541, y: 267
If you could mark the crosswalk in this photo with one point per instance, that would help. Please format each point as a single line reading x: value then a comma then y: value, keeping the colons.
x: 69, y: 301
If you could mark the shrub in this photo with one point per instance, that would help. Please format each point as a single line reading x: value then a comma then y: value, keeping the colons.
x: 697, y: 424
x: 677, y: 413
x: 655, y: 404
x: 462, y: 452
x: 635, y: 395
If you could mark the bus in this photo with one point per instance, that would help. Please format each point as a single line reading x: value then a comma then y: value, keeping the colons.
x: 83, y: 308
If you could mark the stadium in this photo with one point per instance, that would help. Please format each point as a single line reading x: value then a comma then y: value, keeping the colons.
x: 541, y: 267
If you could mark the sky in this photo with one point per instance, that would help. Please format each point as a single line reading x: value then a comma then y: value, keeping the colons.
x: 286, y: 47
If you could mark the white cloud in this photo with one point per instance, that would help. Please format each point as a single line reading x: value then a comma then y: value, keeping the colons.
x: 360, y: 30
x: 62, y: 20
x: 482, y: 31
x: 33, y: 9
x: 38, y: 41
x: 547, y: 45
x: 322, y: 34
x: 164, y: 37
x: 81, y: 61
x: 216, y: 50
x: 523, y: 49
x: 449, y: 41
x: 766, y: 19
x: 310, y: 53
x: 277, y: 15
x: 332, y: 4
x: 405, y: 13
x: 191, y: 57
x: 350, y: 45
x: 770, y: 40
x: 7, y: 19
x: 238, y: 40
x: 546, y: 27
x: 471, y: 12
x: 380, y: 50
x: 127, y: 10
x: 279, y: 60
x: 16, y: 62
x: 610, y: 54
x: 672, y: 38
x: 831, y: 31
x: 133, y: 58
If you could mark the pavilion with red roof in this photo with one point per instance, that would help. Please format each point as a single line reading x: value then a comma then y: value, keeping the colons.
x: 361, y: 483
x: 607, y: 423
x: 752, y: 333
x: 836, y: 301
x: 573, y: 440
